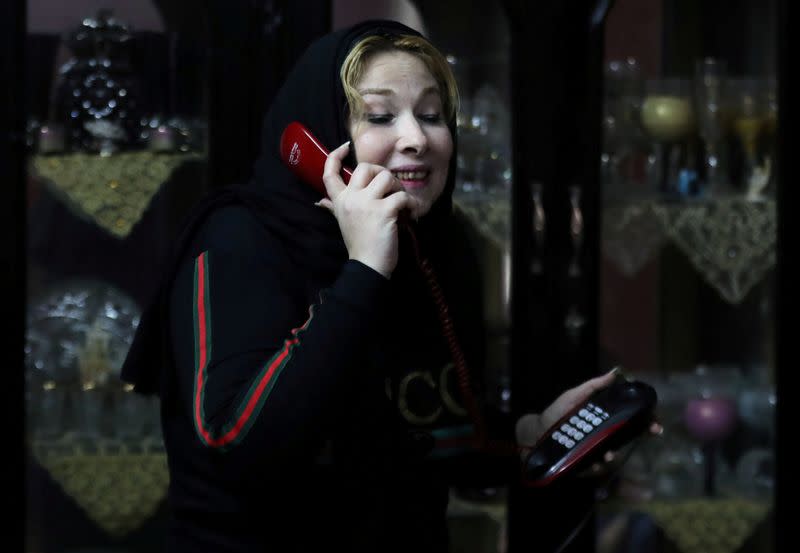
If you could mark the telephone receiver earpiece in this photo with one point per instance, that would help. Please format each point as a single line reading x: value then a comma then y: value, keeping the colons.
x: 305, y: 156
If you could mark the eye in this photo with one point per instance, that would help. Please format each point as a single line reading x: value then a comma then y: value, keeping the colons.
x: 379, y: 118
x: 431, y: 117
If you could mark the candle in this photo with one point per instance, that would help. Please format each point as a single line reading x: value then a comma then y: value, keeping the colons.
x: 51, y: 139
x: 162, y: 139
x: 710, y: 419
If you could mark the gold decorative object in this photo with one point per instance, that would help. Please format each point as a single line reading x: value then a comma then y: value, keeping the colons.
x: 708, y: 525
x: 112, y: 191
x: 119, y: 488
x: 667, y: 118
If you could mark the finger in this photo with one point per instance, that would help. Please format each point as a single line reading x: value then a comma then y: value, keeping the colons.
x: 593, y: 384
x: 325, y: 203
x: 383, y: 184
x: 402, y: 200
x: 364, y: 173
x: 656, y: 429
x: 331, y: 174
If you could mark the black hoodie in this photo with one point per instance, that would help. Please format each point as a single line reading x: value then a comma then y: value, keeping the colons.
x: 308, y: 402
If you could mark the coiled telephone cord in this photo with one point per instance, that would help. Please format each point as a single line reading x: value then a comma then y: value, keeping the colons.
x: 482, y: 440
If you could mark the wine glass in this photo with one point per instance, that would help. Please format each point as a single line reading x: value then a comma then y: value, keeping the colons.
x: 666, y: 117
x: 673, y: 464
x: 709, y: 82
x: 622, y: 134
x: 711, y: 415
x: 770, y: 129
x: 748, y: 120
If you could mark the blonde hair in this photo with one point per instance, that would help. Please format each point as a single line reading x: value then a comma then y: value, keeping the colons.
x: 355, y: 65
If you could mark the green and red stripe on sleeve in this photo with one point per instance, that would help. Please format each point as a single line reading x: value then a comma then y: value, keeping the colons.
x: 234, y: 430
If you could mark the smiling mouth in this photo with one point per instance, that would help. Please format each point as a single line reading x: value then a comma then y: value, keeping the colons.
x: 411, y: 178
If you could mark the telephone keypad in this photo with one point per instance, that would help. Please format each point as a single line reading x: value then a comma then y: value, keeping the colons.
x: 609, y: 418
x: 578, y: 426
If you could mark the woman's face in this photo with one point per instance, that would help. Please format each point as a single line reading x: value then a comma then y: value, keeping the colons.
x: 402, y: 126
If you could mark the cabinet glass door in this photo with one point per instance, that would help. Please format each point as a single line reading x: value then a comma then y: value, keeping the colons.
x: 116, y: 148
x: 688, y: 254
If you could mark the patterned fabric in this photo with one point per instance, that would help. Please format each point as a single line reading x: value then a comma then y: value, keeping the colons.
x: 112, y: 191
x: 708, y: 525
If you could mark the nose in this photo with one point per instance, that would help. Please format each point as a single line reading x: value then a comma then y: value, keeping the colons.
x: 411, y: 136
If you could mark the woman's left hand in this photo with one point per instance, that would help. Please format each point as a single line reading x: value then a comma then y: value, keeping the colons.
x: 567, y: 401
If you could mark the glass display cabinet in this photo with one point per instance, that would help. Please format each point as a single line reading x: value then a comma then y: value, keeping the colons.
x: 621, y: 170
x: 688, y: 250
x: 132, y: 112
x: 117, y: 146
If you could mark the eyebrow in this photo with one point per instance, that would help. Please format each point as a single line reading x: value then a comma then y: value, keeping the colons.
x: 389, y: 91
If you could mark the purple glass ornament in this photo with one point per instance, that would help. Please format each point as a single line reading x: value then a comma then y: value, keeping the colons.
x: 710, y: 419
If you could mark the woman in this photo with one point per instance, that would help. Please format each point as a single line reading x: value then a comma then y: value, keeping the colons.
x: 309, y: 398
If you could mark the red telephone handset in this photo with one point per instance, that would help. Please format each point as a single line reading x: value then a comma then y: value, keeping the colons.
x: 305, y: 156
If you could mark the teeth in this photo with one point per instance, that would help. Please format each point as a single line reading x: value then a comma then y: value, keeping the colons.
x: 410, y: 175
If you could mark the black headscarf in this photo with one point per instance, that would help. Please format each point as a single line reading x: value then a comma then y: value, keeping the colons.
x: 282, y: 203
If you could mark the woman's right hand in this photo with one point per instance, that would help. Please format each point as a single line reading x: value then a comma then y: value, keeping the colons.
x: 367, y: 210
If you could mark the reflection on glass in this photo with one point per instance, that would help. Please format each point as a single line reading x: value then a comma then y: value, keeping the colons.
x: 667, y: 118
x: 484, y: 157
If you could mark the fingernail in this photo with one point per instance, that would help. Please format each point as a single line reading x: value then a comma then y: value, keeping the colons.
x: 318, y: 204
x: 615, y: 370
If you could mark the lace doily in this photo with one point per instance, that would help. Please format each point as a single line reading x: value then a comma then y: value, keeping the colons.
x: 118, y: 487
x: 112, y: 191
x: 631, y: 236
x: 730, y: 241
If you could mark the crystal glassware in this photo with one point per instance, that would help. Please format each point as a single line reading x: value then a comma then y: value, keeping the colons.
x: 748, y: 120
x: 711, y: 415
x: 622, y: 135
x: 709, y: 90
x: 667, y: 118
